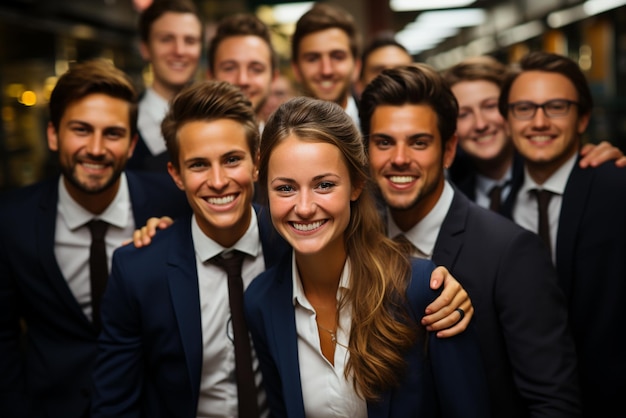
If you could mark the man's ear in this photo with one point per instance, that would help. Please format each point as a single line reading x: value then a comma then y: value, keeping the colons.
x: 255, y: 174
x: 133, y: 144
x: 296, y: 72
x: 583, y: 122
x: 357, y: 70
x: 144, y: 51
x: 449, y: 151
x: 53, y: 137
x: 175, y: 174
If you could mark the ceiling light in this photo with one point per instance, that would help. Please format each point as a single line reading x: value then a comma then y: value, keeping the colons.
x: 290, y: 12
x: 565, y: 17
x: 412, y: 5
x: 593, y: 7
x: 520, y: 33
x: 418, y: 39
x: 458, y: 18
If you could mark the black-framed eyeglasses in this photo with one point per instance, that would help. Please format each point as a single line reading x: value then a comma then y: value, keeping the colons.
x: 556, y: 108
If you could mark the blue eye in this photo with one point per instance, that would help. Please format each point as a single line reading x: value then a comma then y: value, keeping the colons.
x: 285, y: 188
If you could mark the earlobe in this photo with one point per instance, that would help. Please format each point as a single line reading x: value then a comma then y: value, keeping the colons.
x: 175, y: 175
x: 133, y: 144
x: 53, y: 139
x: 450, y: 151
x: 144, y: 51
x: 583, y: 121
x: 296, y: 72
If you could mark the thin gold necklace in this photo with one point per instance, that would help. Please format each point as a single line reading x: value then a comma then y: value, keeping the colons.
x: 333, y: 334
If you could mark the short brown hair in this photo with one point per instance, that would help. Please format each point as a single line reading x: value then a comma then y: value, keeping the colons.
x: 240, y: 24
x: 417, y: 84
x: 324, y: 16
x: 208, y: 101
x: 158, y: 8
x: 90, y: 77
x: 551, y: 63
x: 477, y: 68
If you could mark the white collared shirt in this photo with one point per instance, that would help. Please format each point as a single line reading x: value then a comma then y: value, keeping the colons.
x: 485, y: 184
x: 152, y: 110
x: 218, y: 387
x: 72, y: 238
x: 525, y: 211
x: 424, y: 234
x: 325, y: 390
x: 353, y: 111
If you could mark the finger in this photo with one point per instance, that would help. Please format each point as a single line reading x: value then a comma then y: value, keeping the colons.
x: 137, y: 239
x: 621, y: 162
x: 594, y: 155
x: 459, y: 327
x: 146, y: 234
x: 445, y: 316
x: 438, y: 276
x: 151, y: 226
x: 445, y: 299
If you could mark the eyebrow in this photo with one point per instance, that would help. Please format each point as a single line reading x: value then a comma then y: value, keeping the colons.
x: 318, y: 177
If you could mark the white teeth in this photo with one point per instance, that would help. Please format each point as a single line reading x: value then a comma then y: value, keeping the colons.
x: 307, y: 227
x: 401, y: 179
x: 326, y: 84
x: 94, y: 166
x: 483, y: 138
x: 221, y: 200
x: 542, y: 138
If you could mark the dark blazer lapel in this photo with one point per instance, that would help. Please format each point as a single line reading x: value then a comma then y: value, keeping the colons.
x: 46, y: 227
x: 517, y: 181
x: 450, y: 238
x: 572, y: 209
x: 284, y: 338
x: 138, y: 198
x: 182, y: 276
x: 274, y: 246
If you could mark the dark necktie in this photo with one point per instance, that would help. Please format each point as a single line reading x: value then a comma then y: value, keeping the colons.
x: 543, y: 200
x: 495, y: 196
x: 408, y: 247
x: 246, y: 386
x: 98, y: 268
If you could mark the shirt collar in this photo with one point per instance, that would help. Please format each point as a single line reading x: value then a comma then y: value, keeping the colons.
x: 115, y: 214
x: 485, y: 184
x: 153, y: 104
x: 206, y: 248
x: 555, y: 183
x: 353, y: 111
x: 424, y: 234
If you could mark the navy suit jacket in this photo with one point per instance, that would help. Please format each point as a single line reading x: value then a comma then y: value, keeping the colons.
x: 149, y: 359
x: 466, y: 180
x: 47, y: 371
x: 520, y: 311
x: 143, y: 159
x: 446, y: 381
x: 591, y: 266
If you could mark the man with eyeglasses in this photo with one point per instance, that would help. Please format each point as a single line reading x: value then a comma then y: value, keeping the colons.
x: 547, y: 105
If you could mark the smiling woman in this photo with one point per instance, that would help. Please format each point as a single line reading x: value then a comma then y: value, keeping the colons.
x: 322, y: 349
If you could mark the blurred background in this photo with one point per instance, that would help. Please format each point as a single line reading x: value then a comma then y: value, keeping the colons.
x: 39, y: 38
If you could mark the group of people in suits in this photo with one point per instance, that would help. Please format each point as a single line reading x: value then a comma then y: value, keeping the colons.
x: 333, y: 329
x: 47, y: 339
